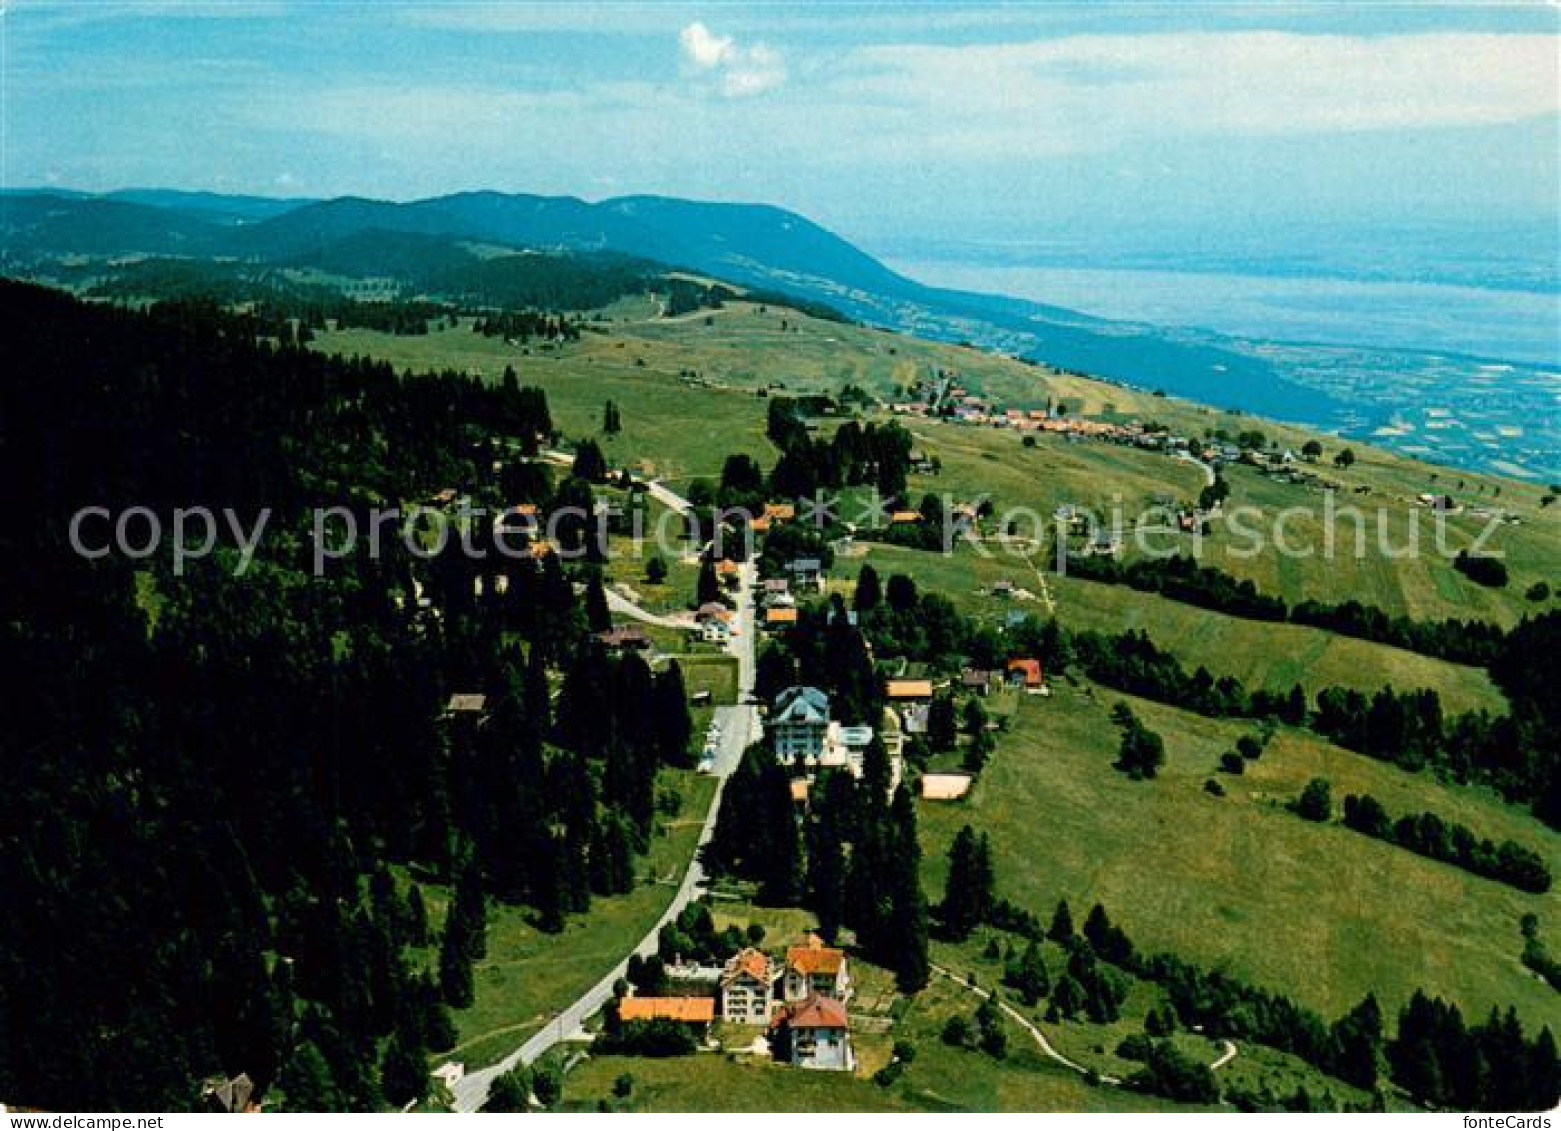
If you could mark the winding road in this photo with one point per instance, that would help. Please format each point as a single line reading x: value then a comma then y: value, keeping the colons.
x: 739, y: 728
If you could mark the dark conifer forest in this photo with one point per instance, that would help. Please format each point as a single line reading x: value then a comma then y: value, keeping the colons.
x: 221, y: 793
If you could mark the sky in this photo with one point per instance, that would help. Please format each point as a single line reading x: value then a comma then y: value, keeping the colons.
x: 961, y: 122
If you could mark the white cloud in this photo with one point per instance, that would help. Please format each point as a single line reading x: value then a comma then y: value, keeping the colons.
x: 1238, y: 83
x: 740, y: 71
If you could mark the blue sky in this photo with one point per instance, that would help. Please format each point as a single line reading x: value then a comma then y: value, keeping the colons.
x: 962, y: 122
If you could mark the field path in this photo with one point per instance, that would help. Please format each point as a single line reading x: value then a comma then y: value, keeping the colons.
x: 1050, y: 1049
x: 1023, y: 1022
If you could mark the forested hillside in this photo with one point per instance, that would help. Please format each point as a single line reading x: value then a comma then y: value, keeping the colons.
x: 221, y: 793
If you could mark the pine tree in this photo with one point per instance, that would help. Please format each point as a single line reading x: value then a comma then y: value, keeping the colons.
x: 510, y: 1093
x: 306, y: 1082
x: 942, y: 726
x: 416, y: 918
x: 598, y: 617
x: 707, y: 589
x: 908, y: 905
x: 455, y: 967
x: 1061, y: 929
x: 1027, y: 974
x: 1357, y: 1040
x: 968, y: 897
x: 869, y: 592
x: 403, y: 1072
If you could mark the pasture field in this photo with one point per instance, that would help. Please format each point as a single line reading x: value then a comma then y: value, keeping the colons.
x: 1260, y: 653
x: 1319, y: 912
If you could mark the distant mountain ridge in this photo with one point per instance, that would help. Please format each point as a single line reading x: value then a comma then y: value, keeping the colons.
x: 754, y: 244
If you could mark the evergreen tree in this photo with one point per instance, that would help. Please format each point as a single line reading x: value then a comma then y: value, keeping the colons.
x: 306, y: 1082
x: 510, y: 1093
x: 1028, y: 975
x: 869, y: 592
x: 907, y: 925
x: 968, y: 897
x: 589, y: 464
x: 416, y: 917
x: 1061, y: 929
x: 1357, y: 1040
x: 598, y: 617
x: 707, y: 588
x: 455, y: 967
x: 942, y: 727
x: 403, y: 1071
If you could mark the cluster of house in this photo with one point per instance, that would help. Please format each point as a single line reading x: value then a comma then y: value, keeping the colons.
x: 806, y: 738
x: 800, y: 1001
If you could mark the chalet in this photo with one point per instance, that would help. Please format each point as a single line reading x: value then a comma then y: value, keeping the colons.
x: 904, y: 518
x: 908, y: 690
x: 520, y: 519
x: 780, y: 616
x: 760, y: 524
x: 1026, y: 674
x: 1104, y: 543
x: 776, y: 586
x: 728, y: 572
x: 625, y: 637
x: 747, y: 988
x: 798, y: 724
x: 976, y: 680
x: 780, y: 512
x: 963, y: 516
x: 695, y: 1012
x: 846, y: 746
x: 807, y: 572
x: 714, y: 621
x: 816, y: 969
x: 466, y: 703
x: 235, y: 1095
x: 814, y: 1033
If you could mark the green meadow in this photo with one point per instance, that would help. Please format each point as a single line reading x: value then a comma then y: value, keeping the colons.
x: 1320, y: 912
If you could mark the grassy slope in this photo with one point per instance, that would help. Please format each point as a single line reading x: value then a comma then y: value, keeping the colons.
x: 1320, y: 912
x: 1274, y: 656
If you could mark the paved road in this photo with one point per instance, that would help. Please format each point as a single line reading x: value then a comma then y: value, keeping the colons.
x: 739, y: 727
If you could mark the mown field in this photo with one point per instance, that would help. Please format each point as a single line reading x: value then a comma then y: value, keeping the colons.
x: 1383, y: 566
x: 1319, y: 912
x: 670, y: 430
x: 1261, y: 654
